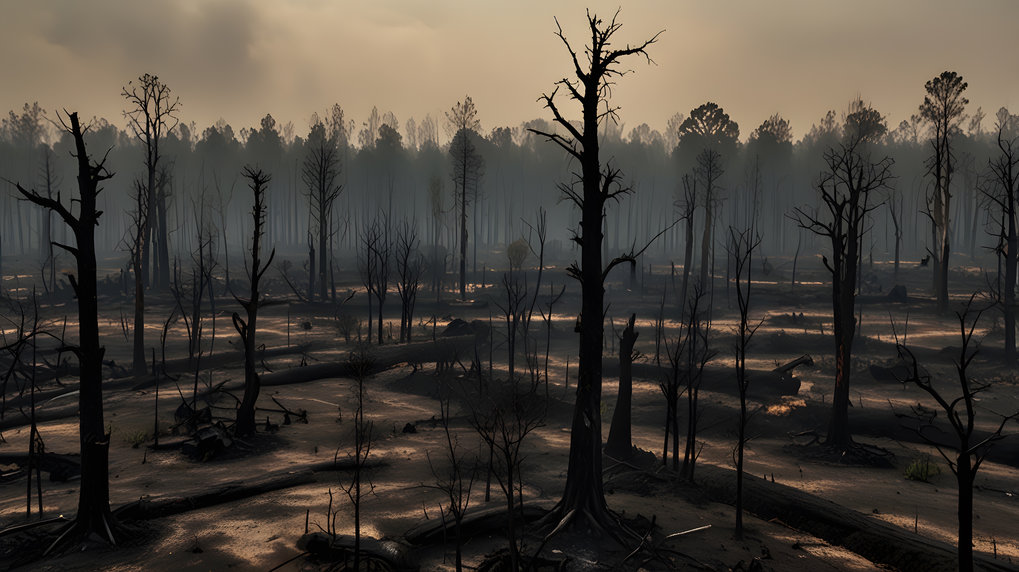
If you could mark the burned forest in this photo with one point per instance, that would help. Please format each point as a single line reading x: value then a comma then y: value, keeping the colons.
x: 325, y: 337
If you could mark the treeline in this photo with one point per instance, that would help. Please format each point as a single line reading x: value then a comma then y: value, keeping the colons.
x: 407, y: 171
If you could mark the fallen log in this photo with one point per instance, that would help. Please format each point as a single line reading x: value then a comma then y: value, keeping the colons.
x: 870, y: 537
x: 382, y: 358
x: 61, y: 467
x: 148, y: 508
x: 485, y: 519
x: 764, y: 384
x: 340, y: 548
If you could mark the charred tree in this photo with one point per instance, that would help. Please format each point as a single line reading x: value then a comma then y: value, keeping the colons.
x: 153, y: 114
x: 961, y: 411
x: 583, y: 494
x: 409, y: 268
x: 741, y: 251
x: 467, y: 170
x: 1003, y: 193
x: 320, y: 173
x: 619, y: 444
x: 942, y: 108
x: 139, y: 241
x: 845, y: 190
x: 94, y: 518
x: 246, y: 327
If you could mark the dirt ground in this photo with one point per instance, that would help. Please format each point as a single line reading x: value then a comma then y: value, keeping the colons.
x: 261, y: 532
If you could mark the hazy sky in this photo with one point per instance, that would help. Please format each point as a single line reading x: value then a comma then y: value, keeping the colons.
x: 239, y: 59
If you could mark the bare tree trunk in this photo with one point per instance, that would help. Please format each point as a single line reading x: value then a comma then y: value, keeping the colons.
x: 619, y: 444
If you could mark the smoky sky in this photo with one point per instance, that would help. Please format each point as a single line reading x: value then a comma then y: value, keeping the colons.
x: 241, y: 59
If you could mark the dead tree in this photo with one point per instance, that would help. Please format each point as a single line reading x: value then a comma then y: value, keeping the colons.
x: 246, y: 327
x: 619, y: 444
x: 741, y: 252
x: 584, y: 494
x: 504, y: 415
x: 1003, y: 193
x: 943, y: 108
x: 367, y: 264
x: 708, y: 171
x: 687, y: 207
x: 152, y: 114
x: 409, y: 268
x: 961, y: 411
x: 94, y: 519
x: 320, y: 173
x: 697, y: 355
x: 361, y: 366
x: 139, y: 240
x: 457, y: 481
x: 468, y: 166
x: 847, y: 192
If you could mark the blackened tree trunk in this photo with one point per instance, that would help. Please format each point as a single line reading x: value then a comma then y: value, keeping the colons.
x: 689, y: 206
x: 583, y: 494
x: 845, y: 190
x: 942, y: 107
x: 619, y: 444
x: 1004, y: 195
x: 94, y: 517
x: 141, y: 236
x: 152, y: 114
x: 246, y: 327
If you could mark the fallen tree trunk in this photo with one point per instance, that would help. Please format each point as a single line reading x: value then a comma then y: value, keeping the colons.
x: 443, y: 350
x: 146, y: 508
x: 764, y: 384
x: 60, y: 467
x: 865, y: 535
x: 179, y: 365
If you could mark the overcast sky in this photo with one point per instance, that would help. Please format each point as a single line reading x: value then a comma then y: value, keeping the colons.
x: 241, y: 59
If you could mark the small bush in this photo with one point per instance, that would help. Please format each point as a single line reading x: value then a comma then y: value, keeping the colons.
x: 136, y: 438
x: 922, y: 469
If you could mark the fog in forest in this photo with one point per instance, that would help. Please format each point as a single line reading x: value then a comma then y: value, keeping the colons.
x: 310, y: 286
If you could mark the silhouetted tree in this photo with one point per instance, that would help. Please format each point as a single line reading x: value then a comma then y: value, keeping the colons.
x: 139, y: 237
x: 847, y: 192
x: 583, y: 494
x: 1003, y: 192
x: 94, y: 518
x: 463, y: 123
x: 258, y: 183
x: 409, y: 267
x: 152, y: 114
x: 320, y: 172
x: 741, y: 250
x: 961, y: 411
x: 942, y: 108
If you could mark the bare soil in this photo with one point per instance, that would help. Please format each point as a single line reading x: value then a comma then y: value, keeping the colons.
x: 261, y: 532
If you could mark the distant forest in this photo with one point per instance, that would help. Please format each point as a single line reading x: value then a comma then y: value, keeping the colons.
x: 405, y: 171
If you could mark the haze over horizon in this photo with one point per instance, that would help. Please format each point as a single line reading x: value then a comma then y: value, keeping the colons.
x: 240, y: 59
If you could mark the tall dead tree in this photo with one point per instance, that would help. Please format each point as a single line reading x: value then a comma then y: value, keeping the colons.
x: 320, y: 173
x: 942, y: 108
x: 708, y: 171
x: 258, y: 184
x: 94, y: 518
x: 1003, y: 192
x: 847, y: 193
x: 151, y: 115
x: 741, y: 251
x: 583, y: 494
x: 139, y: 240
x: 463, y: 123
x: 960, y: 408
